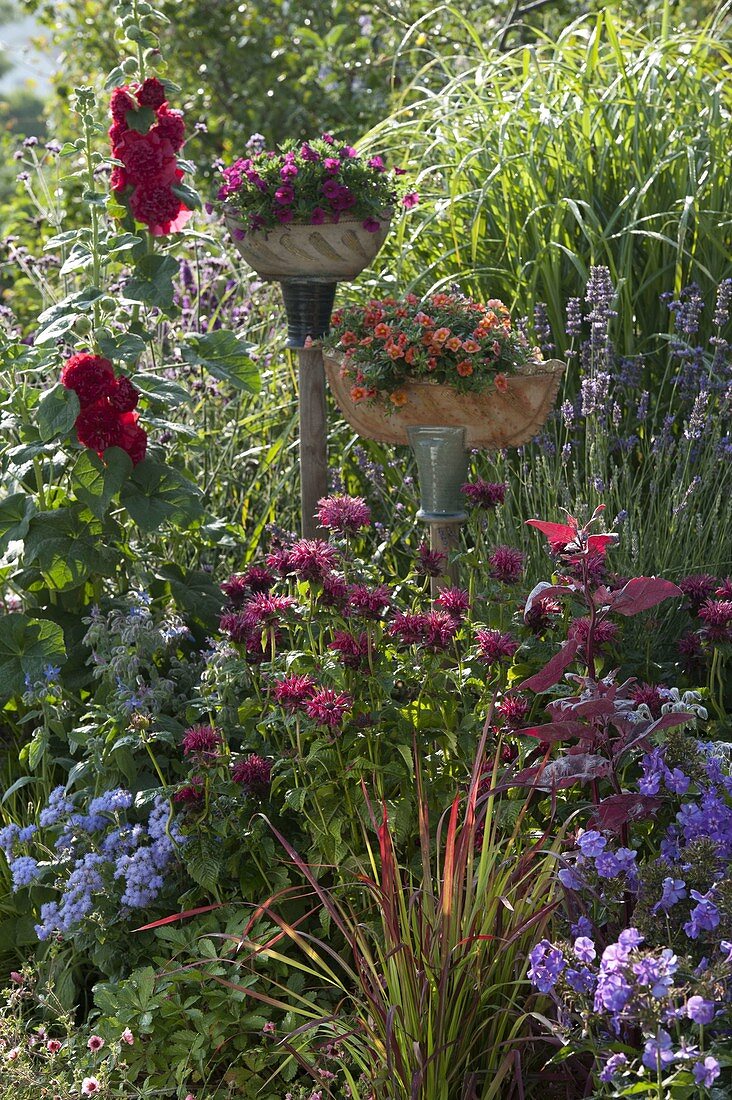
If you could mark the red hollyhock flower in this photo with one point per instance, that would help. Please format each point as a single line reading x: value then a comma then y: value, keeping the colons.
x: 132, y: 438
x: 146, y: 158
x: 170, y: 127
x: 98, y: 426
x: 151, y: 93
x: 120, y: 103
x: 159, y: 209
x: 124, y: 396
x: 118, y: 179
x: 90, y: 377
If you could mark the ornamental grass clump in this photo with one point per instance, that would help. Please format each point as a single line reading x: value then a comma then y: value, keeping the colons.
x: 446, y: 339
x: 430, y: 971
x: 311, y: 183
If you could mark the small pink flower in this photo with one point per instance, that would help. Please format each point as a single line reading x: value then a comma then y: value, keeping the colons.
x: 95, y: 1043
x: 410, y: 200
x: 53, y: 1046
x: 13, y: 1055
x: 317, y: 215
x: 127, y: 1037
x: 371, y: 225
x: 90, y: 1086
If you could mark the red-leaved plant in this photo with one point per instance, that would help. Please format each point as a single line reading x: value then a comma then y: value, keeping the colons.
x: 602, y: 721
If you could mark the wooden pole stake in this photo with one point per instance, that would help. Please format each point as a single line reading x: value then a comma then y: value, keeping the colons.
x: 445, y: 537
x: 313, y: 438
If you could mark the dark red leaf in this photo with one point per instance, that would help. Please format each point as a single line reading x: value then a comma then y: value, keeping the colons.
x: 618, y: 809
x: 556, y: 731
x: 563, y: 772
x: 555, y: 532
x: 551, y: 673
x: 640, y: 593
x: 673, y: 718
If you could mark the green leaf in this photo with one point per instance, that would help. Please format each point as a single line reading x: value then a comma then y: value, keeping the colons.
x: 58, y: 319
x: 128, y: 348
x: 27, y: 647
x: 121, y: 242
x: 162, y: 389
x: 68, y: 545
x: 152, y: 282
x: 57, y: 412
x: 194, y: 592
x: 187, y: 195
x: 156, y: 494
x: 140, y: 120
x: 225, y: 356
x: 16, y: 512
x: 97, y: 481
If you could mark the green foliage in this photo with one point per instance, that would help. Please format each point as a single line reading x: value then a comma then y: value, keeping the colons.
x: 606, y: 146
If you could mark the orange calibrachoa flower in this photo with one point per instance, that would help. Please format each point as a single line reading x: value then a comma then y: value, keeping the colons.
x: 446, y: 338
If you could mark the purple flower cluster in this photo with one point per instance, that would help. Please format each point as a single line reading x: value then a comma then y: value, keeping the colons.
x: 93, y: 850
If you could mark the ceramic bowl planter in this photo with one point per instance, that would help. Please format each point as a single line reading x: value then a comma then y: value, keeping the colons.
x: 338, y: 251
x: 492, y: 420
x: 309, y: 261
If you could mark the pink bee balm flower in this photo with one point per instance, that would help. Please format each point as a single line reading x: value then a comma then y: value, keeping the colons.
x: 95, y: 1042
x: 369, y: 603
x: 312, y: 559
x: 90, y: 1086
x: 353, y: 651
x: 605, y: 633
x: 201, y: 741
x: 430, y: 563
x: 328, y: 707
x: 293, y: 692
x: 484, y: 494
x: 455, y: 601
x: 343, y: 514
x: 494, y: 646
x: 255, y: 773
x: 506, y: 564
x: 513, y: 709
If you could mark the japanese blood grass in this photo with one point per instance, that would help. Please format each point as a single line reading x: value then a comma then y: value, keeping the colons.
x: 429, y: 974
x: 607, y: 146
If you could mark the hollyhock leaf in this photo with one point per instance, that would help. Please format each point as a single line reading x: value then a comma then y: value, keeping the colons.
x: 57, y: 412
x: 187, y: 195
x: 56, y: 321
x: 162, y: 390
x: 16, y: 512
x: 156, y: 494
x: 97, y: 481
x: 618, y: 809
x: 555, y: 532
x: 27, y: 647
x: 114, y: 79
x: 225, y: 356
x: 79, y: 258
x: 195, y: 593
x: 127, y: 348
x: 152, y: 282
x: 641, y: 593
x: 141, y: 120
x: 68, y: 545
x: 551, y: 673
x: 122, y: 242
x: 556, y: 731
